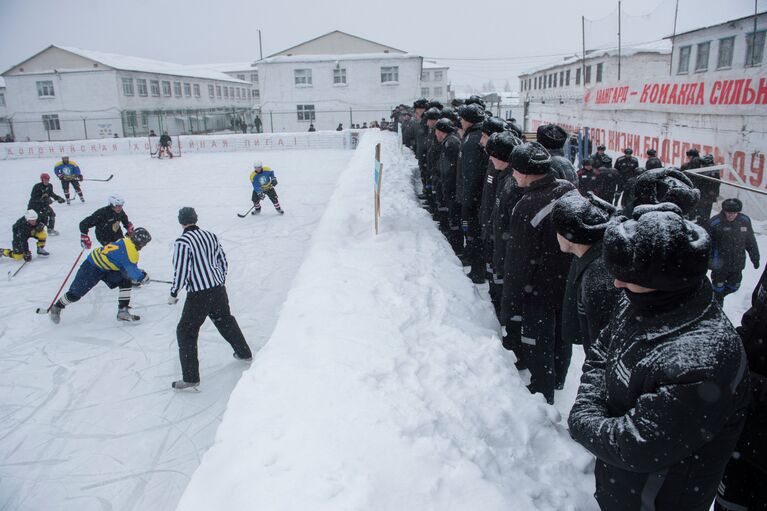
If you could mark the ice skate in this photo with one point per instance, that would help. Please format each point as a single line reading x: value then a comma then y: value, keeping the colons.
x: 123, y: 314
x: 53, y: 232
x: 55, y: 313
x: 184, y: 385
x: 42, y: 252
x: 244, y: 359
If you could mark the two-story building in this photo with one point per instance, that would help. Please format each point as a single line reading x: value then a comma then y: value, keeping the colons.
x: 66, y: 93
x: 434, y: 84
x: 336, y: 79
x: 245, y: 71
x: 5, y: 127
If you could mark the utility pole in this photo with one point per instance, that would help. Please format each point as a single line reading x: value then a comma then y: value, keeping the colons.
x: 673, y: 40
x: 260, y: 48
x: 619, y: 40
x: 583, y: 55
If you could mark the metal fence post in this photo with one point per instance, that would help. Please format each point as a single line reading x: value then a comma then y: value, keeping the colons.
x: 271, y: 122
x: 351, y: 118
x: 85, y: 128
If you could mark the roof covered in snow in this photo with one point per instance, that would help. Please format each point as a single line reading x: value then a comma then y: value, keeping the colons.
x: 231, y: 67
x: 127, y: 63
x: 337, y: 43
x: 432, y: 64
x: 662, y: 47
x: 341, y: 58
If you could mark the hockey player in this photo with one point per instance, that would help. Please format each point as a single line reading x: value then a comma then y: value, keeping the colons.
x: 263, y: 181
x: 107, y: 222
x: 40, y: 200
x: 69, y: 172
x: 731, y: 237
x: 26, y: 227
x: 115, y: 264
x: 165, y: 143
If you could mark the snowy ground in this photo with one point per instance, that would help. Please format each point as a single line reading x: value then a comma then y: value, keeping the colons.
x: 87, y: 417
x: 383, y: 385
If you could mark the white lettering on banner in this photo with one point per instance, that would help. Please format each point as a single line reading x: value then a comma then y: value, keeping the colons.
x: 188, y: 143
x: 717, y: 94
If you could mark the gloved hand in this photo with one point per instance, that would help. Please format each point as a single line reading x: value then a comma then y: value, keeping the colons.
x: 79, y: 177
x: 27, y: 256
x: 756, y: 265
x: 129, y: 229
x: 274, y: 181
x: 85, y: 241
x: 261, y: 196
x: 60, y: 200
x: 172, y: 300
x: 146, y: 280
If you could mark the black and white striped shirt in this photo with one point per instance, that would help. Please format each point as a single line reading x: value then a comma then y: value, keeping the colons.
x: 199, y: 261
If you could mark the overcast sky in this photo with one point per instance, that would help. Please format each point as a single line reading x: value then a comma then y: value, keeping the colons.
x: 516, y: 34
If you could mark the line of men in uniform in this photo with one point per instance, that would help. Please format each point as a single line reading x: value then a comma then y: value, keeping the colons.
x: 665, y: 389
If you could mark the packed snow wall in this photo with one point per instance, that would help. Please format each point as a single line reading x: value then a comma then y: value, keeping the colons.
x: 186, y: 143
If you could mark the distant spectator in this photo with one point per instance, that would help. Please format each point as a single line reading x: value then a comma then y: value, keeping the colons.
x: 152, y: 133
x: 257, y: 124
x: 116, y: 135
x: 311, y: 127
x: 340, y: 127
x: 364, y: 125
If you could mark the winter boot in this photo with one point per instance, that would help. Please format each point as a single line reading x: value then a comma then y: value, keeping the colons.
x: 123, y: 314
x: 244, y: 359
x: 41, y: 251
x: 184, y: 385
x: 53, y: 232
x: 55, y: 313
x: 255, y: 211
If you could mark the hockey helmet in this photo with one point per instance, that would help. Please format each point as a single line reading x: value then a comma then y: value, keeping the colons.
x: 258, y: 164
x: 116, y: 200
x: 140, y: 237
x: 30, y: 215
x: 45, y: 176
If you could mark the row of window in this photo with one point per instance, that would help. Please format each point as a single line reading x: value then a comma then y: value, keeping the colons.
x: 437, y: 92
x: 253, y: 77
x: 303, y: 77
x: 725, y: 52
x: 186, y: 89
x: 561, y: 78
x: 2, y: 98
x: 425, y: 76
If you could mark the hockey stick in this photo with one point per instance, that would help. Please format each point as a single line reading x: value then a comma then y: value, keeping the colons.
x: 104, y: 180
x: 243, y: 215
x: 13, y: 274
x: 161, y: 281
x: 40, y: 310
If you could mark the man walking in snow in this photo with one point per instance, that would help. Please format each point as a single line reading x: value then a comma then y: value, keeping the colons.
x: 665, y: 388
x: 199, y: 266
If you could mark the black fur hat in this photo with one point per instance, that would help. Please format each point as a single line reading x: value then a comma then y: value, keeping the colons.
x: 732, y: 205
x: 581, y: 220
x: 551, y: 136
x: 666, y: 185
x: 530, y: 158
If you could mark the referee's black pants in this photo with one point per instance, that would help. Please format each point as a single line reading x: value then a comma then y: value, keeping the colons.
x: 212, y: 303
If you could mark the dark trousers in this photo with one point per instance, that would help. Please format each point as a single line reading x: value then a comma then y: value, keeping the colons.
x: 741, y: 488
x: 271, y: 193
x: 65, y: 186
x: 210, y: 303
x: 545, y: 357
x: 45, y: 215
x: 725, y: 283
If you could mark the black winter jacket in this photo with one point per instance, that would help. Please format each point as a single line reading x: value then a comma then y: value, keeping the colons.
x: 107, y: 223
x: 730, y: 241
x: 627, y: 169
x: 562, y: 167
x: 165, y: 140
x: 22, y: 231
x: 41, y: 196
x: 433, y: 148
x: 473, y: 162
x: 507, y: 195
x: 487, y: 202
x: 421, y: 130
x: 590, y: 298
x: 535, y: 270
x: 661, y: 404
x: 601, y: 161
x: 448, y: 163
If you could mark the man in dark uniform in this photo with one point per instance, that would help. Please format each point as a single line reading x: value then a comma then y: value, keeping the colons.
x: 420, y: 131
x: 653, y: 162
x: 432, y: 115
x: 450, y: 211
x: 24, y: 228
x: 587, y: 179
x: 40, y: 200
x: 490, y: 126
x: 553, y: 138
x: 535, y: 272
x: 473, y: 163
x: 107, y: 222
x: 600, y: 160
x: 626, y: 166
x: 731, y: 238
x: 709, y: 189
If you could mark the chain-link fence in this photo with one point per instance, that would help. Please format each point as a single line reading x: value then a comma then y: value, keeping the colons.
x: 67, y: 127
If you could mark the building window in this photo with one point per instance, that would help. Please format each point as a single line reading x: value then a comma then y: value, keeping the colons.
x: 551, y: 81
x: 724, y: 58
x: 437, y: 76
x: 218, y: 91
x: 211, y: 92
x: 130, y: 118
x: 561, y: 78
x: 177, y: 89
x: 390, y: 74
x: 424, y: 76
x: 144, y: 119
x: 567, y: 78
x: 256, y: 94
x: 754, y: 48
x: 437, y: 92
x: 587, y: 76
x: 2, y: 98
x: 241, y: 77
x: 128, y: 86
x: 684, y: 60
x: 339, y: 76
x: 303, y: 77
x: 51, y: 122
x: 701, y: 56
x: 577, y: 76
x: 154, y: 87
x: 165, y: 88
x: 45, y: 89
x: 196, y: 87
x: 254, y: 77
x: 424, y: 91
x: 187, y: 89
x: 237, y: 93
x: 600, y: 66
x: 226, y: 92
x: 305, y: 112
x: 141, y: 86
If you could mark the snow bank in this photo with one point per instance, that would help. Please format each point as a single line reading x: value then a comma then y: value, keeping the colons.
x: 384, y: 386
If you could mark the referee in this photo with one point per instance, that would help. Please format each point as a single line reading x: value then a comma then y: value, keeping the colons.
x: 199, y: 265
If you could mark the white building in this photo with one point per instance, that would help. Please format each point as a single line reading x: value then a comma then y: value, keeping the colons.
x: 5, y: 128
x: 68, y: 93
x: 434, y: 84
x: 336, y: 79
x: 245, y: 71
